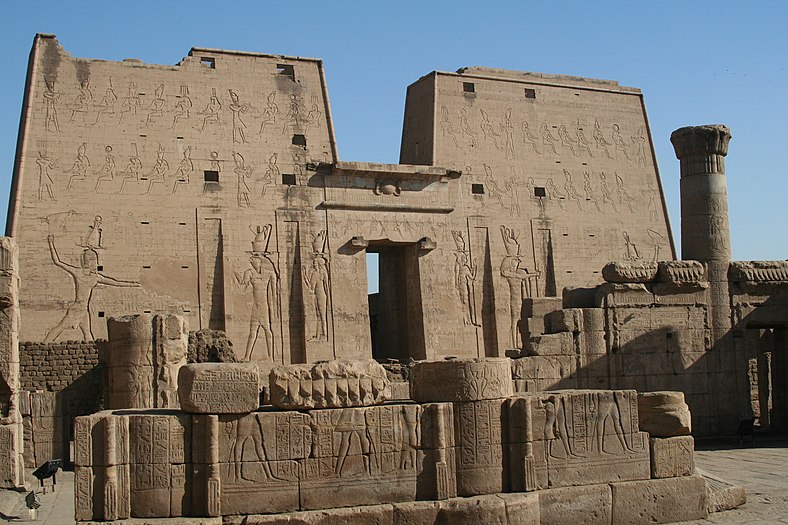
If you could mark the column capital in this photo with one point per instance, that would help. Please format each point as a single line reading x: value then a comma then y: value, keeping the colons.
x: 701, y: 149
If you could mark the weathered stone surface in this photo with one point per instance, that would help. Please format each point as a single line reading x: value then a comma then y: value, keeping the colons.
x: 630, y: 272
x: 416, y: 513
x: 219, y: 388
x: 332, y: 384
x: 481, y: 509
x: 210, y: 346
x: 550, y: 344
x: 664, y: 414
x: 522, y: 509
x: 468, y: 379
x: 170, y: 347
x: 610, y: 295
x: 659, y: 500
x: 672, y: 457
x: 538, y: 307
x: 758, y: 271
x: 682, y: 273
x: 129, y: 362
x: 721, y: 494
x: 588, y: 505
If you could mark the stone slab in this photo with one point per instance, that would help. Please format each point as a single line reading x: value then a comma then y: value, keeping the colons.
x: 586, y: 505
x: 672, y: 457
x: 468, y: 379
x: 219, y: 388
x: 659, y: 500
x: 664, y: 414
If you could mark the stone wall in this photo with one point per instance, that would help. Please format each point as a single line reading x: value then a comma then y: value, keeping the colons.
x: 55, y: 366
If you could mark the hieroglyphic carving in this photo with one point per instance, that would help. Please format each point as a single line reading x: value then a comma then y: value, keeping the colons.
x: 488, y: 131
x: 131, y: 102
x: 554, y: 193
x: 582, y: 141
x: 51, y: 98
x: 618, y: 141
x: 492, y: 186
x: 270, y: 111
x: 548, y: 140
x: 623, y: 196
x: 519, y: 280
x: 170, y: 340
x: 479, y: 449
x: 507, y: 128
x: 182, y: 107
x: 607, y: 196
x: 272, y: 174
x: 86, y: 278
x: 82, y: 101
x: 293, y: 116
x: 133, y: 171
x: 467, y: 379
x: 80, y: 168
x: 465, y: 127
x: 589, y: 190
x: 156, y: 108
x: 263, y: 278
x: 211, y: 110
x: 566, y: 140
x: 640, y: 145
x: 45, y: 164
x: 317, y: 281
x: 313, y: 117
x: 107, y: 104
x: 219, y: 388
x: 446, y: 126
x: 528, y: 137
x: 465, y: 279
x: 107, y: 171
x: 238, y: 110
x: 244, y: 174
x: 601, y: 141
x: 160, y: 168
x: 571, y: 192
x: 185, y: 168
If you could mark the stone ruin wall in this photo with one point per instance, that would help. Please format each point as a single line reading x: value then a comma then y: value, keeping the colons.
x: 544, y: 179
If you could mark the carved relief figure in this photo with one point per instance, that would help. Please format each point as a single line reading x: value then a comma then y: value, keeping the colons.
x: 133, y: 170
x: 243, y: 430
x: 548, y: 140
x: 211, y: 110
x: 582, y: 141
x: 465, y: 127
x: 507, y: 128
x: 618, y: 141
x: 464, y: 280
x: 270, y: 111
x: 44, y: 178
x: 107, y: 104
x: 623, y: 196
x: 244, y: 173
x: 317, y: 281
x: 182, y: 107
x: 607, y: 197
x: 599, y: 138
x: 632, y: 250
x: 313, y: 117
x: 263, y: 278
x: 657, y: 240
x: 553, y: 192
x: 156, y: 108
x: 589, y: 190
x: 493, y: 189
x: 272, y: 173
x: 107, y: 171
x: 651, y: 195
x: 487, y: 129
x: 131, y: 103
x: 50, y: 101
x: 446, y: 126
x: 528, y: 137
x: 185, y: 168
x: 82, y: 101
x: 607, y: 408
x: 293, y: 116
x: 640, y: 144
x: 571, y: 192
x: 519, y: 280
x: 238, y: 124
x: 352, y: 424
x: 161, y: 167
x: 566, y: 140
x: 86, y: 277
x: 556, y: 426
x: 80, y: 168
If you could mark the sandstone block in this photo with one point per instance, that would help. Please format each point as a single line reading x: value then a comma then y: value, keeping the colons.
x: 672, y: 457
x: 538, y: 307
x: 490, y: 510
x: 550, y: 344
x: 630, y: 272
x: 659, y: 500
x: 522, y: 508
x: 631, y: 294
x: 565, y: 320
x: 682, y: 273
x: 331, y: 384
x: 468, y: 379
x: 586, y: 505
x: 664, y: 414
x: 219, y: 388
x: 416, y: 512
x: 721, y: 494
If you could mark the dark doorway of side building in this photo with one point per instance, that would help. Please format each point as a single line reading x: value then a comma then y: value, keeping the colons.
x: 395, y: 306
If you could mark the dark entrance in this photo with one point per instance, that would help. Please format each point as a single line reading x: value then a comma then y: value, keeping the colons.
x: 395, y: 312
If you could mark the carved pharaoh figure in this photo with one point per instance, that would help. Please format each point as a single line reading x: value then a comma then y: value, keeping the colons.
x: 263, y: 278
x: 317, y: 281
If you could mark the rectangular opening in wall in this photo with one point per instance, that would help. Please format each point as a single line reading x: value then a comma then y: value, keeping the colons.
x: 477, y: 189
x: 144, y: 222
x: 208, y: 62
x: 184, y: 267
x: 539, y: 191
x: 286, y: 70
x: 299, y: 140
x: 211, y: 176
x: 146, y: 267
x: 530, y: 93
x: 100, y: 268
x: 288, y: 179
x: 468, y: 87
x: 101, y: 314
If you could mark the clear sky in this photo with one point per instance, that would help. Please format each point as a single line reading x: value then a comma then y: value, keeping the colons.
x: 697, y: 62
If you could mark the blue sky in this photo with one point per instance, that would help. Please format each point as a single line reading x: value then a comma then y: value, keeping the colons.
x: 697, y: 62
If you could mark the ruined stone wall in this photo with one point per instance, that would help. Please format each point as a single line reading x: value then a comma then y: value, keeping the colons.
x: 53, y: 367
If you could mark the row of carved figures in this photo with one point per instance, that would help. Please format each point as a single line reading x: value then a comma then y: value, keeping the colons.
x: 176, y: 111
x: 604, y: 143
x: 137, y: 178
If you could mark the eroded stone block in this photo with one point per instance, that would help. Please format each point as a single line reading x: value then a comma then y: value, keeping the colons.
x: 587, y: 505
x: 219, y: 388
x: 664, y: 414
x: 468, y: 379
x: 630, y: 272
x: 659, y: 500
x: 672, y: 457
x: 332, y: 384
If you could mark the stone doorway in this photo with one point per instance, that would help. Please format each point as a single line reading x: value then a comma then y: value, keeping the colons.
x: 395, y: 311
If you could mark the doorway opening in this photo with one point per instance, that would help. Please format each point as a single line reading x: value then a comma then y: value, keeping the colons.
x: 394, y: 296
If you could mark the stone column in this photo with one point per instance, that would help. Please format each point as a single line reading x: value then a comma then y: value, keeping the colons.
x: 129, y: 362
x: 170, y: 344
x: 11, y: 446
x: 705, y: 235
